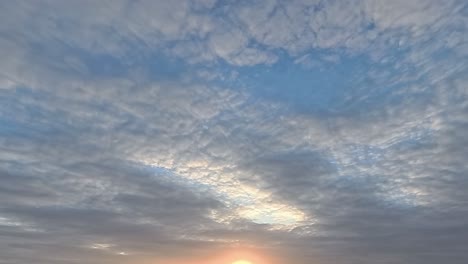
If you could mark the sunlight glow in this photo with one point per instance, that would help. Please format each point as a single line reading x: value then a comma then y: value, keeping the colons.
x: 242, y: 262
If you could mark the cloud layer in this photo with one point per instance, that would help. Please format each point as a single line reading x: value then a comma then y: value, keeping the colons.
x: 311, y: 131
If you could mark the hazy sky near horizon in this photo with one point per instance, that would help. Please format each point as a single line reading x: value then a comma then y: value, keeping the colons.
x: 196, y: 132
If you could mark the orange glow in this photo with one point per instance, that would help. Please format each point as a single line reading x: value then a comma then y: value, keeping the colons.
x: 237, y: 255
x: 242, y: 262
x: 242, y: 256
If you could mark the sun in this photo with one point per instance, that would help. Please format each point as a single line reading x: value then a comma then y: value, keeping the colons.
x: 242, y: 262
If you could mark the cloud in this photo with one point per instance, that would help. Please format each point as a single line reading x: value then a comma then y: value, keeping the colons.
x: 134, y: 131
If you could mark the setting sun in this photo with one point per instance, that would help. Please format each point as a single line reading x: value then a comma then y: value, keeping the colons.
x: 242, y: 262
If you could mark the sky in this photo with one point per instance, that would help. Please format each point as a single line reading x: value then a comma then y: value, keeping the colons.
x: 210, y: 131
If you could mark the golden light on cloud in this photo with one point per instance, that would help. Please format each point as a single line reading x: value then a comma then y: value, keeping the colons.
x: 247, y: 201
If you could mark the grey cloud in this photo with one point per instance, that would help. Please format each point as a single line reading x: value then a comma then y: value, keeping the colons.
x: 296, y: 175
x: 145, y: 213
x: 234, y: 29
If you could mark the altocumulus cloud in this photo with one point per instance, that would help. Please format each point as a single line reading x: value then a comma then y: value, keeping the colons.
x: 317, y: 131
